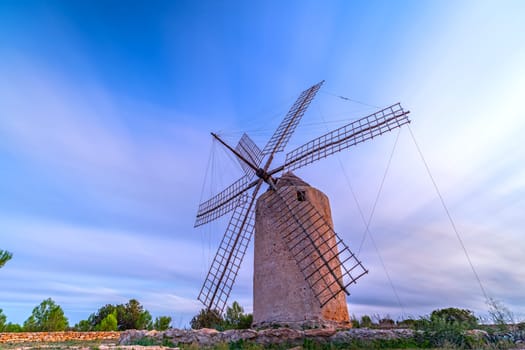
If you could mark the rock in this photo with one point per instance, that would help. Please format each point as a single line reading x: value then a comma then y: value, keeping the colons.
x: 131, y: 335
x: 278, y: 336
x: 206, y: 336
x: 477, y: 333
x: 233, y: 335
x: 208, y: 331
x: 320, y: 332
x: 371, y: 334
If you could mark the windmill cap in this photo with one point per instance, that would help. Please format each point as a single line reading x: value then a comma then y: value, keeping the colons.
x: 290, y: 179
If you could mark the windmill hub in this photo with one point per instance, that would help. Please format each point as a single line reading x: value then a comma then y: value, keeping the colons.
x: 261, y: 173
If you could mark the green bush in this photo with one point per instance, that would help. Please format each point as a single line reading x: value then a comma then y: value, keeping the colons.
x: 407, y: 323
x: 162, y: 323
x: 109, y: 323
x: 236, y: 319
x: 439, y: 332
x: 207, y: 319
x: 366, y: 321
x: 3, y: 319
x: 83, y: 326
x: 13, y: 328
x: 455, y: 316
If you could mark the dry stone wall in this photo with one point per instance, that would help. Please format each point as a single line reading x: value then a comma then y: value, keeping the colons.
x: 33, y: 337
x: 206, y: 337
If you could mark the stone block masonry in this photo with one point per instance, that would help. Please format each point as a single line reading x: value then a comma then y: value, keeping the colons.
x: 52, y: 337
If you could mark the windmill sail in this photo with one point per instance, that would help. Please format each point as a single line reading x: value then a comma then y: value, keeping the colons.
x: 221, y: 276
x: 326, y: 262
x: 249, y: 150
x: 349, y: 135
x: 223, y: 202
x: 282, y: 135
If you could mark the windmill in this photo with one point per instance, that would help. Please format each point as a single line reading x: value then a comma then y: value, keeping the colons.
x: 299, y: 223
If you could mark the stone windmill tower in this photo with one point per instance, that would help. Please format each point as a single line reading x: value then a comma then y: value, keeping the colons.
x: 302, y: 269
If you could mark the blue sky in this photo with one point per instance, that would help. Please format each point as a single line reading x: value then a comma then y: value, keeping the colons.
x: 105, y: 114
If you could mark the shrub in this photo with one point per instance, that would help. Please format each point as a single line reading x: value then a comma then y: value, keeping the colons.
x: 3, y: 318
x: 207, y: 319
x: 236, y: 319
x: 501, y: 316
x: 407, y: 323
x: 386, y: 323
x: 162, y: 323
x: 83, y: 326
x: 453, y: 315
x: 442, y: 332
x: 13, y: 328
x: 366, y: 321
x: 109, y: 323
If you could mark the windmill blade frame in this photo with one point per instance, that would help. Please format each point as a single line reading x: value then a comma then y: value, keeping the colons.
x: 284, y: 131
x: 250, y: 151
x: 223, y: 271
x: 361, y: 130
x: 224, y: 202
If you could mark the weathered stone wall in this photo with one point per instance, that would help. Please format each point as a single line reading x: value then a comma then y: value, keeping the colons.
x: 205, y: 337
x: 28, y: 337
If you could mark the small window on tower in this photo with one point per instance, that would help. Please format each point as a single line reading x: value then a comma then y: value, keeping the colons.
x: 301, y: 196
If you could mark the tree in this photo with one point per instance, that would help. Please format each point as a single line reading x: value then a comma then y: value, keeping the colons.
x: 3, y: 319
x: 134, y: 316
x: 5, y: 256
x: 83, y: 326
x: 96, y: 318
x: 162, y: 323
x: 129, y: 316
x: 207, y: 319
x: 48, y: 316
x: 235, y: 317
x: 109, y: 323
x: 13, y: 328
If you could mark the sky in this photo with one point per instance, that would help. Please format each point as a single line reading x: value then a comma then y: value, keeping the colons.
x: 106, y: 109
